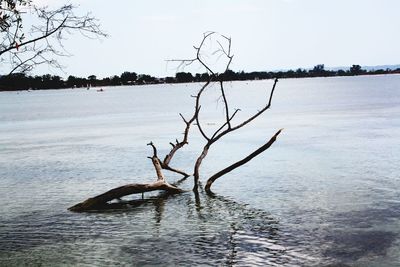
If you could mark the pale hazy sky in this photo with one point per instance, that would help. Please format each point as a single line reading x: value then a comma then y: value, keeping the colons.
x: 266, y: 34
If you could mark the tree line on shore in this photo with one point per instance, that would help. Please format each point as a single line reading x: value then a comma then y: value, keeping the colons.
x: 21, y: 81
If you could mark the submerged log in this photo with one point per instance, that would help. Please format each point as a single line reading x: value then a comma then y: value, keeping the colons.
x: 100, y: 201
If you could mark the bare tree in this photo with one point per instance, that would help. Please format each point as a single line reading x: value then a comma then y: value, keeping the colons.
x: 227, y: 126
x: 31, y: 35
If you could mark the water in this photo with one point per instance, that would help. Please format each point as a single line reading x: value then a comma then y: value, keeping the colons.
x: 326, y: 193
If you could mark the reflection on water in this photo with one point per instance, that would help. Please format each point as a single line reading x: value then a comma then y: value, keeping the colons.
x: 326, y: 194
x: 179, y: 229
x: 182, y: 229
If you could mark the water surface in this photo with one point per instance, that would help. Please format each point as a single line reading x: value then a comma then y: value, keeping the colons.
x: 327, y: 192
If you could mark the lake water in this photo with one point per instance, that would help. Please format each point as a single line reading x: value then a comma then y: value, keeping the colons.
x: 326, y: 193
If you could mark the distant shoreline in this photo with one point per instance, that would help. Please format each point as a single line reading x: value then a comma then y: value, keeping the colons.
x: 21, y: 82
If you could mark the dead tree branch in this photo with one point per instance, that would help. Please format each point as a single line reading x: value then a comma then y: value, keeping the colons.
x: 230, y: 168
x: 165, y: 164
x: 32, y: 35
x: 102, y: 201
x: 180, y: 144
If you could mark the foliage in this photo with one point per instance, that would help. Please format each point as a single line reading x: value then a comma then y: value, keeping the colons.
x: 183, y: 77
x: 128, y: 77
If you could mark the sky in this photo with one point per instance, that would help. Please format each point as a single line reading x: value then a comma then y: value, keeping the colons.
x: 266, y: 34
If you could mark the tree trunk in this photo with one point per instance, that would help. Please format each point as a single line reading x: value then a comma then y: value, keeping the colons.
x: 199, y: 160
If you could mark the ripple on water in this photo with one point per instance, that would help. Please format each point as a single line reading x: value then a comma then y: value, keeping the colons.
x: 215, y: 231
